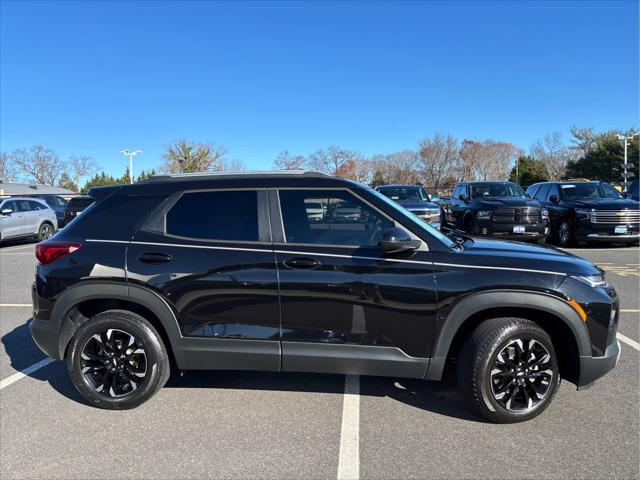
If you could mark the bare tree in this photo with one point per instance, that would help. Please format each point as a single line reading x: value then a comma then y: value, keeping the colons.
x: 486, y: 160
x: 334, y: 160
x: 438, y: 158
x: 184, y: 156
x: 234, y: 165
x: 471, y: 154
x: 80, y: 167
x: 7, y: 169
x: 286, y: 161
x: 554, y: 154
x: 39, y: 164
x: 397, y: 167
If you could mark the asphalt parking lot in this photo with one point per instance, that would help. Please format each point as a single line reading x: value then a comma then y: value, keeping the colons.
x: 257, y: 425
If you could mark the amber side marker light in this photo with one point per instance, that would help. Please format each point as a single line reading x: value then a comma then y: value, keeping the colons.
x: 576, y: 306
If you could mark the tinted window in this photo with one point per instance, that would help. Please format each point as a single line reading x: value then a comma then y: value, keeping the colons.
x: 554, y: 191
x: 24, y: 205
x: 330, y: 218
x: 405, y: 194
x: 10, y: 205
x: 480, y: 190
x: 541, y: 194
x: 54, y: 201
x: 585, y: 191
x: 531, y: 191
x: 37, y: 206
x: 231, y: 215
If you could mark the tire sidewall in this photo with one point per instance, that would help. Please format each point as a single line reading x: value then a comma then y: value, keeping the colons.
x: 156, y: 359
x: 486, y: 365
x: 566, y: 242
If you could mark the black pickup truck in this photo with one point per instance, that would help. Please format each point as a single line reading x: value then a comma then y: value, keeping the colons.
x: 497, y: 209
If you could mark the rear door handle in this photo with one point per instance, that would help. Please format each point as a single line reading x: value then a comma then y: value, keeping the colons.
x: 153, y: 257
x: 301, y: 263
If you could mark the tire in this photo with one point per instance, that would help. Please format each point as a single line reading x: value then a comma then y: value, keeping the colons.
x: 45, y: 231
x: 470, y: 226
x: 489, y: 393
x: 565, y: 234
x: 137, y: 376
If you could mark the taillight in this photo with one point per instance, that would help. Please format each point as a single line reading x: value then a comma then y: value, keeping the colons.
x: 50, y: 251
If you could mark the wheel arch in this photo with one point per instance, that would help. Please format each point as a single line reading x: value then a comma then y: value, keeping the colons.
x: 567, y: 330
x: 82, y: 301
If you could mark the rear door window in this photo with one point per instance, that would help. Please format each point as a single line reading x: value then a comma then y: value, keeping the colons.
x: 215, y: 215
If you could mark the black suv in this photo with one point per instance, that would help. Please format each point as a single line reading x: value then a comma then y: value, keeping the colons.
x: 239, y: 272
x: 75, y: 207
x: 497, y: 209
x: 588, y: 212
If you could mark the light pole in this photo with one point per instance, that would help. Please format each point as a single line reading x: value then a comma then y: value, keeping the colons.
x: 625, y: 139
x: 130, y: 153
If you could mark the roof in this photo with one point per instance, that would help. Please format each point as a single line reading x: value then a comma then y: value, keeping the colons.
x: 400, y: 185
x: 270, y: 174
x: 14, y: 189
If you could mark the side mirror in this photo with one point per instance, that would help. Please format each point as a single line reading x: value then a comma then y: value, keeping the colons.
x: 553, y: 199
x: 6, y: 211
x: 396, y: 240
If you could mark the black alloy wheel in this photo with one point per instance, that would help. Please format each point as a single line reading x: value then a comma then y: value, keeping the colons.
x: 522, y: 374
x: 114, y: 362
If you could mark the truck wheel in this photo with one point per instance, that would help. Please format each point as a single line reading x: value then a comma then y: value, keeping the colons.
x: 508, y: 370
x: 565, y: 234
x: 470, y: 226
x: 117, y: 360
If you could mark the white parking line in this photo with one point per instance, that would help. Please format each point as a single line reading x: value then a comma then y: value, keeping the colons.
x: 630, y: 310
x: 628, y: 341
x: 15, y: 305
x: 16, y: 253
x: 23, y: 373
x: 349, y: 458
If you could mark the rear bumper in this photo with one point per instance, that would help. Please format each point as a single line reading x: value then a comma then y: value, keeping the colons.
x: 45, y: 335
x: 593, y: 368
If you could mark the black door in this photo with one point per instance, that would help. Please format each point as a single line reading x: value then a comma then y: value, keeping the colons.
x: 345, y: 306
x: 209, y: 255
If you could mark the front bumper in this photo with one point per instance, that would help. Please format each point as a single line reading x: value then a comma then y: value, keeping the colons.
x: 606, y: 232
x: 593, y: 368
x: 532, y: 231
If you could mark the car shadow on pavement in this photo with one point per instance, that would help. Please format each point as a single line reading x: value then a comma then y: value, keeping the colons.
x: 440, y: 398
x: 23, y: 353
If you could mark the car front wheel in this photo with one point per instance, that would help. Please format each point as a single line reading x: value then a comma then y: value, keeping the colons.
x: 565, y: 235
x: 45, y: 231
x: 117, y: 360
x: 508, y: 370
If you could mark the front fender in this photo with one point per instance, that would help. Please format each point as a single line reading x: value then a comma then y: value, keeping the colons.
x: 472, y: 304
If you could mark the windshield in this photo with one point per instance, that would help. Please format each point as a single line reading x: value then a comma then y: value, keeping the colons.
x: 487, y: 190
x: 412, y: 218
x: 585, y: 191
x: 405, y: 194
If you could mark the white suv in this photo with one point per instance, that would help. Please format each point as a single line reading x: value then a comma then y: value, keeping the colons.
x: 22, y: 217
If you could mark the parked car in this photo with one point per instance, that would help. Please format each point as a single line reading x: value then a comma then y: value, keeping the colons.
x: 588, y: 212
x: 56, y: 203
x: 634, y: 191
x: 24, y: 217
x: 75, y: 207
x: 415, y: 199
x: 228, y: 271
x: 497, y: 209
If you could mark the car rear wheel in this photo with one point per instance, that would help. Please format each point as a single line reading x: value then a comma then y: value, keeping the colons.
x: 45, y: 231
x: 508, y: 370
x: 117, y: 360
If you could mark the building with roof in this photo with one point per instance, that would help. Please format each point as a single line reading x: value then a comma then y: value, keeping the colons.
x: 25, y: 189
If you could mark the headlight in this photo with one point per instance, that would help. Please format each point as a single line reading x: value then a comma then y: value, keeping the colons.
x: 484, y: 214
x: 545, y: 213
x: 592, y: 280
x: 583, y: 212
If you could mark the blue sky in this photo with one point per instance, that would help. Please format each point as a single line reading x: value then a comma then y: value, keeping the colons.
x: 93, y: 78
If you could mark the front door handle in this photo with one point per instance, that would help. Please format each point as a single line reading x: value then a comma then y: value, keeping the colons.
x: 301, y: 263
x: 153, y: 257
